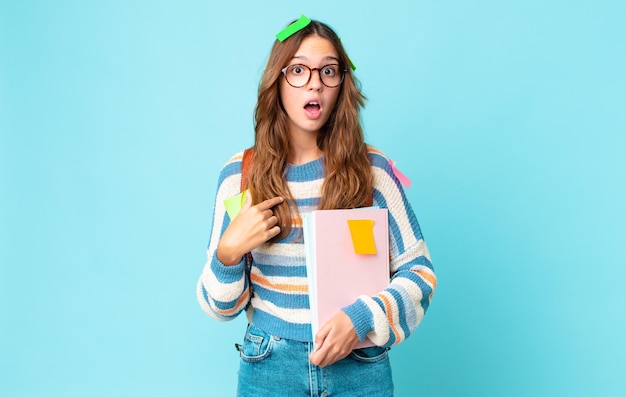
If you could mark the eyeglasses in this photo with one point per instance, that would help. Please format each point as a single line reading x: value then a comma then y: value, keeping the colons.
x: 299, y: 75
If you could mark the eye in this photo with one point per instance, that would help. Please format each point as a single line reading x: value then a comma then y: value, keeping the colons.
x: 296, y: 70
x: 330, y: 70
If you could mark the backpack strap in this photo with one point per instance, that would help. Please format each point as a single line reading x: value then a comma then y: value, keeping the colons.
x: 370, y: 200
x: 246, y: 163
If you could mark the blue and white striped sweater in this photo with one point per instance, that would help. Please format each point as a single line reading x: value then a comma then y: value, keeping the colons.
x: 280, y: 304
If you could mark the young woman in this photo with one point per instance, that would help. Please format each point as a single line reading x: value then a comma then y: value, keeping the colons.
x: 309, y: 153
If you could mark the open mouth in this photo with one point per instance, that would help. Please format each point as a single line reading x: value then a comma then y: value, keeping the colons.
x: 312, y: 107
x: 313, y: 110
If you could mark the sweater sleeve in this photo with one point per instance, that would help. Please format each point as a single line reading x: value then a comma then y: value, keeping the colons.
x: 223, y: 291
x: 390, y: 316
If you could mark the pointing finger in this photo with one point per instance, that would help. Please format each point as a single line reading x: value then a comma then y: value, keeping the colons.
x: 269, y: 203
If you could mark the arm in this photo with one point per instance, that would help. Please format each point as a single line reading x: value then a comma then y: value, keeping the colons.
x: 392, y: 315
x: 223, y: 290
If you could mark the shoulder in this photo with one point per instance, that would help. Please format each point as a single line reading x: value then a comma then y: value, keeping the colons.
x: 235, y: 158
x: 232, y: 167
x: 384, y: 177
x: 378, y: 159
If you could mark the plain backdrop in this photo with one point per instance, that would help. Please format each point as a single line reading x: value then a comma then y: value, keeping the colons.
x: 117, y: 116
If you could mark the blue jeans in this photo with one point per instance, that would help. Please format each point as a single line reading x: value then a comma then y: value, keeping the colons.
x: 271, y: 367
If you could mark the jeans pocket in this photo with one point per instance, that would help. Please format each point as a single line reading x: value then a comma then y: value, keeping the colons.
x: 257, y: 345
x: 371, y: 354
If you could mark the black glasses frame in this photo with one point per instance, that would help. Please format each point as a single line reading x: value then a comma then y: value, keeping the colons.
x: 319, y: 72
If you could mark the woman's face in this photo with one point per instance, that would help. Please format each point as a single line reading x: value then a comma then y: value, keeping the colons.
x: 310, y: 106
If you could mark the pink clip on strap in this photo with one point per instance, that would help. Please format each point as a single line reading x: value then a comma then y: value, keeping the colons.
x: 401, y: 177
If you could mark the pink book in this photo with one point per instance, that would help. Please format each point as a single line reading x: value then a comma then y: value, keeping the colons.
x: 336, y: 273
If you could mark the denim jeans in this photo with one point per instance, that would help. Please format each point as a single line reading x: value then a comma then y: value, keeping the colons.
x: 271, y: 367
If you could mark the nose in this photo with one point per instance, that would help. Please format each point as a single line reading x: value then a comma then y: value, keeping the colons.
x: 315, y: 82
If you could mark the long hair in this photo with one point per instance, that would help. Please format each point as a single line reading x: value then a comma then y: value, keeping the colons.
x: 348, y: 181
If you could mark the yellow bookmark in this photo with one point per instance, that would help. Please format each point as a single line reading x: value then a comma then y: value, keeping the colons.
x: 362, y: 231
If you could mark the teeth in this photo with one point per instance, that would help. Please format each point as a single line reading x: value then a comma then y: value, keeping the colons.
x: 313, y: 103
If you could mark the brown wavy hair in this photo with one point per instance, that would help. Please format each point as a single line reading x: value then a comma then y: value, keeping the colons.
x: 348, y: 181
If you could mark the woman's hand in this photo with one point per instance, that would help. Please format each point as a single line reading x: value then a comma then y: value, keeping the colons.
x: 334, y: 341
x: 254, y: 225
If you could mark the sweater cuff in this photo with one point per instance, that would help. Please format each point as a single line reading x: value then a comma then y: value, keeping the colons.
x: 227, y: 274
x: 362, y: 318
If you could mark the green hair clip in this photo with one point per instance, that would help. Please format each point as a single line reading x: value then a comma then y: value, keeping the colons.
x: 298, y: 25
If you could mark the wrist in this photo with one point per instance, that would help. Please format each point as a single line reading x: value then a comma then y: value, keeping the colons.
x: 361, y: 317
x: 227, y: 257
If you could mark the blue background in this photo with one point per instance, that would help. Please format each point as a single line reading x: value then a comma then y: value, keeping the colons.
x: 116, y: 117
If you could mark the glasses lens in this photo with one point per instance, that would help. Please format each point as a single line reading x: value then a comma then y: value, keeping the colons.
x: 331, y: 75
x: 297, y: 75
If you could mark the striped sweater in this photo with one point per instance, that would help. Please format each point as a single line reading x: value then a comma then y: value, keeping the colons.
x: 280, y: 304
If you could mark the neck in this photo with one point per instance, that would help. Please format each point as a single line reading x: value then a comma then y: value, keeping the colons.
x: 303, y: 148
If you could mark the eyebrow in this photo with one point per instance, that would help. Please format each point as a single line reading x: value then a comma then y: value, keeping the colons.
x: 327, y: 58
